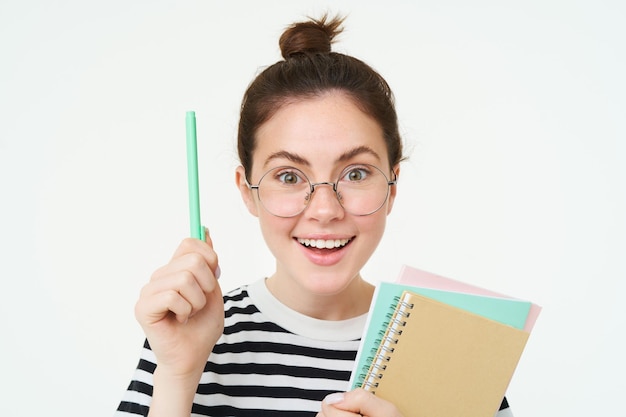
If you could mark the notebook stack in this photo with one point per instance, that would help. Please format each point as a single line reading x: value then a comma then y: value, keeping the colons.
x: 437, y: 347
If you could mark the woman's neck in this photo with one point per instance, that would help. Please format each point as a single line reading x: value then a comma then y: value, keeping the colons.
x: 350, y: 302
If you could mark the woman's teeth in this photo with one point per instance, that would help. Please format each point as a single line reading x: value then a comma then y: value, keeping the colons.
x: 324, y: 244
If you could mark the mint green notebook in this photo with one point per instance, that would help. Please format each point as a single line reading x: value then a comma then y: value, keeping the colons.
x: 507, y: 311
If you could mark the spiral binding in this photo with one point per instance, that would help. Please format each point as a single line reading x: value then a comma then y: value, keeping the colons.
x: 374, y: 352
x: 390, y: 337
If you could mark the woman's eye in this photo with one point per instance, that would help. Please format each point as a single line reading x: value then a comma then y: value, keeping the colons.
x: 288, y: 178
x: 355, y: 174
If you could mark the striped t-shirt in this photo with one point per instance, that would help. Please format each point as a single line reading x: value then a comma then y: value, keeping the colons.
x: 271, y: 361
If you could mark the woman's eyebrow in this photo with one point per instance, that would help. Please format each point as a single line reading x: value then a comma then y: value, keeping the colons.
x: 287, y: 155
x: 346, y: 156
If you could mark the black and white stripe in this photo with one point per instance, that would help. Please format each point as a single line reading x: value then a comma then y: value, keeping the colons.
x: 258, y: 368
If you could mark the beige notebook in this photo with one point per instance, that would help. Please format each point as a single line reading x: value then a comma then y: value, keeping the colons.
x: 441, y: 361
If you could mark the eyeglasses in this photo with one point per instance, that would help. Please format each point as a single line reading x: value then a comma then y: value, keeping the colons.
x: 360, y: 189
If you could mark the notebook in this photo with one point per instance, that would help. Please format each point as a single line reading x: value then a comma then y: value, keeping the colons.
x: 420, y: 278
x: 437, y: 360
x: 508, y: 311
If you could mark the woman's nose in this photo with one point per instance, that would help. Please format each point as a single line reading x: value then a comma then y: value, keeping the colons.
x: 324, y: 202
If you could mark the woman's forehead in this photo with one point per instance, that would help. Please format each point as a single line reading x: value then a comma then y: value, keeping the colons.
x: 330, y: 126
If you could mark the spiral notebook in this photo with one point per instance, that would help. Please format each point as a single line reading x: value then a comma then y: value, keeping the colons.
x: 437, y: 360
x: 508, y: 311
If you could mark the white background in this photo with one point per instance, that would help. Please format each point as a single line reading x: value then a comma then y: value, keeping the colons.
x: 513, y: 115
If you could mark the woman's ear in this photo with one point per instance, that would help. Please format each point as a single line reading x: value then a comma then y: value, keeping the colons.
x: 394, y: 189
x: 246, y: 192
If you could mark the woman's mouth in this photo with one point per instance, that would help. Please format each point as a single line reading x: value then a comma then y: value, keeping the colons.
x: 324, y: 252
x: 324, y: 243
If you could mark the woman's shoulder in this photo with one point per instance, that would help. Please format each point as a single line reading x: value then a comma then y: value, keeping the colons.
x: 242, y: 304
x: 237, y: 298
x: 236, y: 294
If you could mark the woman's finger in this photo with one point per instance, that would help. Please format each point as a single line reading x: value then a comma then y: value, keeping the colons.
x: 192, y: 263
x: 150, y: 310
x: 360, y: 402
x: 205, y: 249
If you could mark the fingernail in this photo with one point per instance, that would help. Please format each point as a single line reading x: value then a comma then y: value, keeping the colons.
x: 334, y: 398
x: 218, y: 272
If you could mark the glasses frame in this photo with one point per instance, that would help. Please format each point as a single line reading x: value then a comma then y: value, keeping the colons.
x: 312, y: 186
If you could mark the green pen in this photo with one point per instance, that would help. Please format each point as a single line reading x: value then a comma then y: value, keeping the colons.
x: 197, y: 231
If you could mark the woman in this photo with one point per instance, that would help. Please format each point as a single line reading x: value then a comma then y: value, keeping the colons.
x: 320, y: 151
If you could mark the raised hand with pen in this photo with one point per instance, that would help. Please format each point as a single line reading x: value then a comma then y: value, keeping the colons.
x: 181, y: 309
x: 182, y: 314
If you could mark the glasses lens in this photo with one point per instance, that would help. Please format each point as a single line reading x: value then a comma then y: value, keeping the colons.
x: 286, y: 191
x: 283, y: 191
x: 362, y: 189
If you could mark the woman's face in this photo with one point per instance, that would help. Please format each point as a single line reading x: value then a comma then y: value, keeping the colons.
x: 320, y: 137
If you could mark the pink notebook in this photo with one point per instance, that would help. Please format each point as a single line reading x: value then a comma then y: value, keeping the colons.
x: 417, y: 277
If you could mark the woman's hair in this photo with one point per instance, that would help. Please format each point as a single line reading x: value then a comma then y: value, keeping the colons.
x: 310, y: 69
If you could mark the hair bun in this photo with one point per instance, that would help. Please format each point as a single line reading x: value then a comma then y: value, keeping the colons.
x: 312, y: 36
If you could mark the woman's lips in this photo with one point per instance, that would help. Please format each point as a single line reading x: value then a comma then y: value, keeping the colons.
x: 324, y: 252
x: 324, y: 243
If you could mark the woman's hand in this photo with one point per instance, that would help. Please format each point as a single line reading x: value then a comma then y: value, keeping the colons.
x: 357, y: 403
x: 181, y: 310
